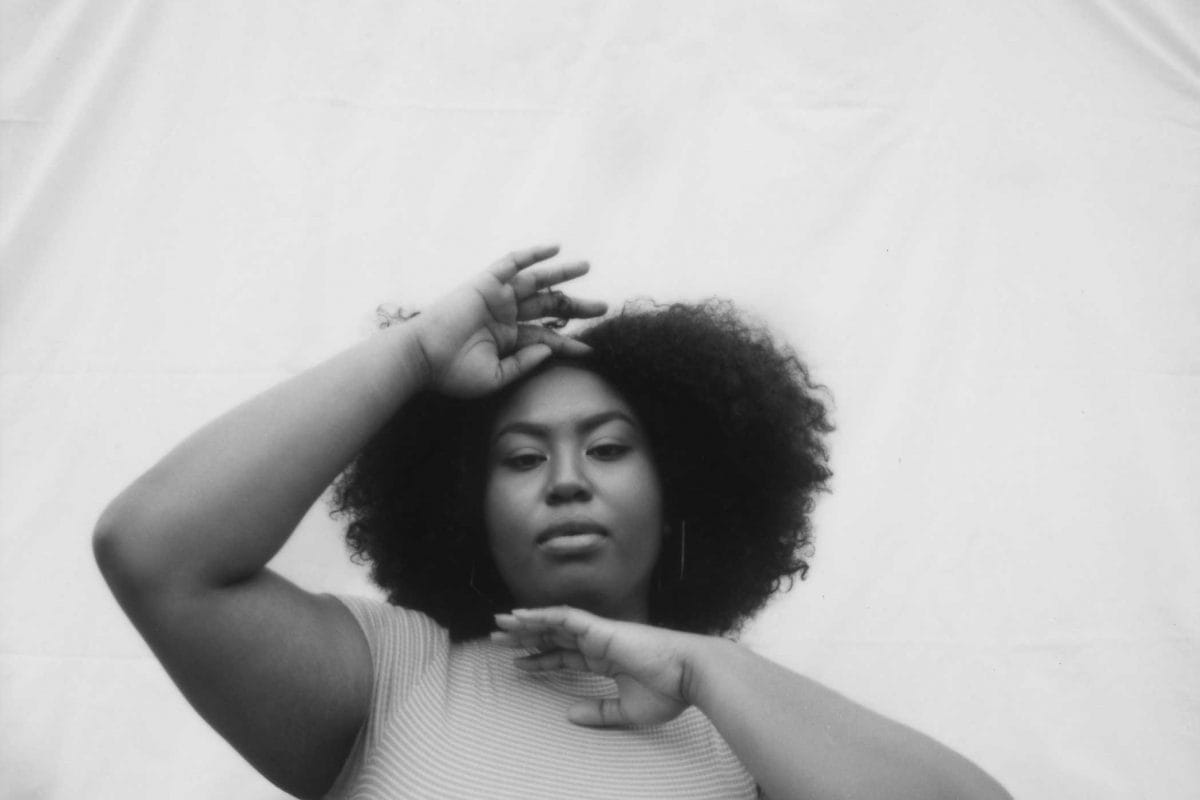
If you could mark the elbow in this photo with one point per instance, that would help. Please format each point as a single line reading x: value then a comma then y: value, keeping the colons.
x: 146, y: 545
x: 124, y: 547
x: 108, y: 542
x: 111, y: 546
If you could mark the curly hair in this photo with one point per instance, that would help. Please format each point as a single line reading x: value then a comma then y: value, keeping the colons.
x: 736, y: 428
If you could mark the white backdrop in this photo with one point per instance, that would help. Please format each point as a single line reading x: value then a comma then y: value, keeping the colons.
x: 979, y: 222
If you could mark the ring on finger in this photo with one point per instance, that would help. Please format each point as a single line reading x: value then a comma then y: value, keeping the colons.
x: 558, y: 306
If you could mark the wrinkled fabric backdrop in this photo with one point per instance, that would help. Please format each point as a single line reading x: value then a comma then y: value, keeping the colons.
x: 977, y: 222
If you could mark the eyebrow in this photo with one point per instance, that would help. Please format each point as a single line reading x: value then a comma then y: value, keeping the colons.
x: 585, y: 425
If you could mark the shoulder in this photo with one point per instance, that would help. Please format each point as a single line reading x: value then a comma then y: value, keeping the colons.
x: 394, y: 632
x: 379, y: 619
x: 403, y: 644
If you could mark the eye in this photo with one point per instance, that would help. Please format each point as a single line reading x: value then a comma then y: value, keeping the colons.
x: 523, y: 461
x: 609, y: 451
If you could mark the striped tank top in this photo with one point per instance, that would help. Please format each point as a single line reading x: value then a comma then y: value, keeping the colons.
x: 460, y: 721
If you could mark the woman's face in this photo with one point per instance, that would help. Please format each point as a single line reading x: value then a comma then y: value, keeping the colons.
x: 573, y: 506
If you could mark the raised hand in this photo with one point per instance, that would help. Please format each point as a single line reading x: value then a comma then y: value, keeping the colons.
x: 650, y: 665
x: 479, y: 337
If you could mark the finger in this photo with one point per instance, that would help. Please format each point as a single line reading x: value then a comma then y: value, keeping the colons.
x: 572, y: 620
x: 523, y: 641
x: 506, y: 639
x: 510, y: 623
x: 522, y: 361
x: 536, y: 636
x: 541, y: 640
x: 506, y: 268
x: 553, y: 660
x: 528, y: 335
x: 557, y: 304
x: 529, y: 625
x: 506, y: 621
x: 605, y: 713
x: 529, y: 283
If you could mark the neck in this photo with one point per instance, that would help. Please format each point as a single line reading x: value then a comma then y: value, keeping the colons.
x: 628, y: 609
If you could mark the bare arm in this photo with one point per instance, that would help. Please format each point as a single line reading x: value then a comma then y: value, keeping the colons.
x: 184, y: 550
x: 797, y: 738
x: 801, y: 739
x: 282, y: 674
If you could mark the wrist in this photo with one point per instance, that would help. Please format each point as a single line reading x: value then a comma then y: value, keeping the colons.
x: 417, y: 354
x: 406, y: 367
x: 706, y: 658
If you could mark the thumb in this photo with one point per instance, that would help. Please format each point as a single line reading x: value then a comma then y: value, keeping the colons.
x: 522, y: 361
x: 604, y: 713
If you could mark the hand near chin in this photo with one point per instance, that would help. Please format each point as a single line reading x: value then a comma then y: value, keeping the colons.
x: 650, y: 665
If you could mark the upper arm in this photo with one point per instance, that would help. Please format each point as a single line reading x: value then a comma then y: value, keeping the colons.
x: 282, y: 674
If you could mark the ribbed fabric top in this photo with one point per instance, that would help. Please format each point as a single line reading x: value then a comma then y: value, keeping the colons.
x: 461, y: 721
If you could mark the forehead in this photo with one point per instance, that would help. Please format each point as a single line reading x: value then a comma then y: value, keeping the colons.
x: 561, y: 394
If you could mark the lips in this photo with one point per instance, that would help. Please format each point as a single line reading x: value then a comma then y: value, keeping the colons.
x: 570, y: 528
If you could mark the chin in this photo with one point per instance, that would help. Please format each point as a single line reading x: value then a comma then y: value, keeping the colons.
x: 597, y: 599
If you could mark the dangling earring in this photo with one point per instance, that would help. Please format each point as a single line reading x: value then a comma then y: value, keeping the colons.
x: 660, y: 567
x: 475, y: 589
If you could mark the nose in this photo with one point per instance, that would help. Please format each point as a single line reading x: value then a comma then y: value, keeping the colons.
x: 568, y: 483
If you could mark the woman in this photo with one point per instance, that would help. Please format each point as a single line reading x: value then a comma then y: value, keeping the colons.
x: 554, y: 507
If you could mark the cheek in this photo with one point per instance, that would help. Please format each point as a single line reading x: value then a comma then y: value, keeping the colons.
x: 505, y: 508
x: 644, y: 497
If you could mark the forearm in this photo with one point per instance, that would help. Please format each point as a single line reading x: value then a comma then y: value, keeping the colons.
x: 800, y: 739
x: 216, y: 508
